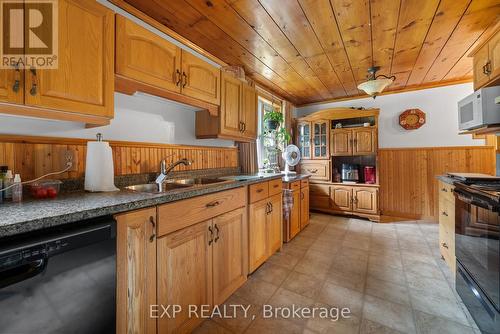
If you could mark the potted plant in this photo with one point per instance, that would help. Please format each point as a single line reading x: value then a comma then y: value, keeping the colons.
x: 273, y: 119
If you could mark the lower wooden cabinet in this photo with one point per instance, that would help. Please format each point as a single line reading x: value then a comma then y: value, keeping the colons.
x: 184, y: 274
x: 230, y: 255
x: 357, y: 199
x: 299, y: 215
x: 136, y: 271
x: 304, y: 207
x: 264, y: 223
x: 447, y: 224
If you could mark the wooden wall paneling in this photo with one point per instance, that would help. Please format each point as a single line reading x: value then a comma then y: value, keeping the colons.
x: 408, y: 184
x: 35, y: 156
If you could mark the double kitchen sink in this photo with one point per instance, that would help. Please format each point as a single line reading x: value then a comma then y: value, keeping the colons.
x: 174, y: 184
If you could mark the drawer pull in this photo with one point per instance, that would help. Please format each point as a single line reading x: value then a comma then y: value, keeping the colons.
x: 444, y: 189
x: 153, y: 236
x: 314, y: 171
x: 444, y: 245
x: 212, y: 204
x: 260, y: 190
x: 444, y: 213
x: 276, y: 186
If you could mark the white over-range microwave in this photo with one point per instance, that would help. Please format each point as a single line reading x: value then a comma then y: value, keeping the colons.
x: 479, y: 109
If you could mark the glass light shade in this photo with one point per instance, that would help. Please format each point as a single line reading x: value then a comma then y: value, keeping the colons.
x: 374, y: 87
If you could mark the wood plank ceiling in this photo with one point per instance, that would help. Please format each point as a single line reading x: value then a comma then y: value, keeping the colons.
x: 317, y: 50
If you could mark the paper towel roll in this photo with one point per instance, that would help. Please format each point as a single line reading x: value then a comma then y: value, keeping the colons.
x: 99, y: 172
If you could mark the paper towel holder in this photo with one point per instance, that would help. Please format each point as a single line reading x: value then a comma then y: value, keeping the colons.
x: 99, y: 136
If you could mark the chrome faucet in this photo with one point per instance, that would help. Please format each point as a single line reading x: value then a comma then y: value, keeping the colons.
x: 164, y: 170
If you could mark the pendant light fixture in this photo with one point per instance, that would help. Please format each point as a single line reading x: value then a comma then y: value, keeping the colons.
x: 375, y: 83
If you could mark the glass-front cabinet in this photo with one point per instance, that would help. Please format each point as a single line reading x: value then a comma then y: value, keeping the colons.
x: 312, y: 140
x: 320, y: 140
x: 304, y: 139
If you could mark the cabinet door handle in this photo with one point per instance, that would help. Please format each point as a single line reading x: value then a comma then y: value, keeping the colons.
x: 153, y: 236
x: 444, y: 213
x: 17, y: 78
x: 444, y: 245
x: 33, y: 89
x: 302, y: 195
x: 185, y: 79
x: 244, y: 126
x: 211, y: 235
x: 487, y: 68
x: 212, y: 204
x: 217, y: 235
x: 271, y: 207
x: 178, y: 77
x: 241, y: 127
x: 267, y: 208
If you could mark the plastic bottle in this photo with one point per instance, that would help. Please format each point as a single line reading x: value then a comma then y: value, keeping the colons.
x: 7, y: 181
x: 17, y: 189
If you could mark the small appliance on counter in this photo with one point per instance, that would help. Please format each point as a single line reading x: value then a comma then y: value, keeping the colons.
x: 99, y: 169
x: 369, y: 174
x: 350, y: 173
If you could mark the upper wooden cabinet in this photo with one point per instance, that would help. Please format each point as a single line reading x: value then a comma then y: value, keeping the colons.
x: 83, y: 80
x: 248, y: 114
x: 237, y: 118
x: 136, y: 271
x: 320, y: 142
x: 304, y: 139
x: 486, y: 61
x: 147, y: 58
x: 81, y: 88
x: 12, y: 86
x: 200, y: 79
x: 355, y: 141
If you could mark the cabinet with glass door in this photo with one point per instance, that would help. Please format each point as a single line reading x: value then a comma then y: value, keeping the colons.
x: 304, y: 139
x: 320, y: 146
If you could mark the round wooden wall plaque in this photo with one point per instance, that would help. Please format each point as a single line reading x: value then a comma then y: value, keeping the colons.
x: 412, y: 119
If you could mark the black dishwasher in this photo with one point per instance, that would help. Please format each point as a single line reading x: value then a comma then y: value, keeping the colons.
x: 59, y: 280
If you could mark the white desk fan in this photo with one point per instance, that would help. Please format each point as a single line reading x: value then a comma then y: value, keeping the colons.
x: 291, y: 155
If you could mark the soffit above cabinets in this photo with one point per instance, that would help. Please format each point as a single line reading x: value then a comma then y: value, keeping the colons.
x: 318, y: 50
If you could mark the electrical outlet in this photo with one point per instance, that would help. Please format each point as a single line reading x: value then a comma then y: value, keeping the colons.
x: 70, y: 156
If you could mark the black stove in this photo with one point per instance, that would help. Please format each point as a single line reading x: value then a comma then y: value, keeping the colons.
x: 477, y: 249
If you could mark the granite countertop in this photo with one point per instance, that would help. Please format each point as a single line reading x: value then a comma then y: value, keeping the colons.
x: 31, y: 215
x: 296, y: 177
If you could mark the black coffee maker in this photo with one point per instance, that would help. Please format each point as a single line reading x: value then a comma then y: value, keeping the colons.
x: 350, y: 173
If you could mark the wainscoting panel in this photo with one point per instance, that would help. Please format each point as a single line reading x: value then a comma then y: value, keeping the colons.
x: 408, y: 184
x: 35, y: 156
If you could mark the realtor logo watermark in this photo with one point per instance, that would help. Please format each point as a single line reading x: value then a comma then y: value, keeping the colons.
x: 29, y: 30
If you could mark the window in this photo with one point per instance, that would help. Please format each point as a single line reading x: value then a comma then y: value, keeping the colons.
x: 266, y: 156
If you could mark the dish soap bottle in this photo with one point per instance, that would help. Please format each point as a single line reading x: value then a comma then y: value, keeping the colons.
x: 7, y: 182
x: 17, y: 189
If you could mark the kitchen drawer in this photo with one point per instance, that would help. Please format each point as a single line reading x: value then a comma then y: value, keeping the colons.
x: 304, y: 183
x: 295, y: 185
x: 318, y: 170
x: 275, y: 187
x: 180, y: 214
x: 258, y: 191
x: 319, y: 202
x: 319, y: 190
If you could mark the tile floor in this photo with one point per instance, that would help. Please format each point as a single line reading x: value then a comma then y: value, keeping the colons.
x: 390, y: 276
